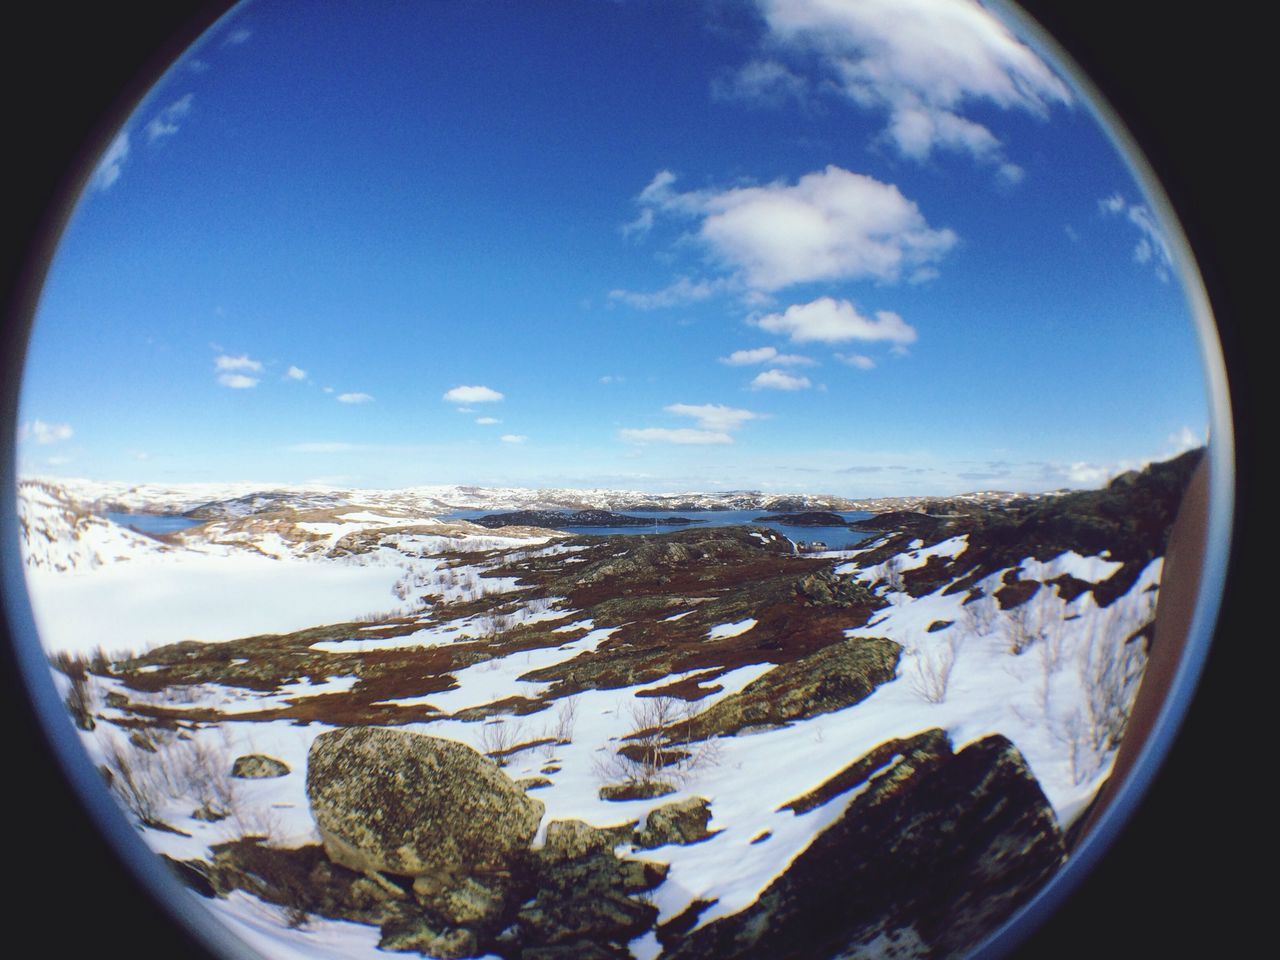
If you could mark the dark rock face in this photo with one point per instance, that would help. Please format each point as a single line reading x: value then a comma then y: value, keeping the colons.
x: 812, y: 518
x: 257, y: 766
x: 937, y: 850
x: 556, y: 519
x: 904, y: 521
x: 410, y: 804
x: 835, y: 677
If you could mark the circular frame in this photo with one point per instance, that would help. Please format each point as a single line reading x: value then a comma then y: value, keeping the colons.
x: 75, y: 767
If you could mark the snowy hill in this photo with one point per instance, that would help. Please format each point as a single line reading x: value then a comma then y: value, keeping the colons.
x: 59, y: 533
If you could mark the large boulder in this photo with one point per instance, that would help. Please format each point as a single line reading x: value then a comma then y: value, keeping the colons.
x: 934, y: 851
x: 390, y: 801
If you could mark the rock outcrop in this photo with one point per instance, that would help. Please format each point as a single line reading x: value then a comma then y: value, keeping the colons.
x: 258, y: 766
x: 936, y: 851
x: 682, y: 822
x: 388, y: 801
x: 833, y: 678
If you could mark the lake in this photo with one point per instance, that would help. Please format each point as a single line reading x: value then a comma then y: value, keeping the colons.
x: 836, y: 538
x: 153, y: 522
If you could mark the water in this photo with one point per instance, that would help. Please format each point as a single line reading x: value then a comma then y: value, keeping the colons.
x: 153, y: 523
x: 836, y: 538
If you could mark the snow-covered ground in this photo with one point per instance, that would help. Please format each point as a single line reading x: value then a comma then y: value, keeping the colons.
x: 1037, y: 674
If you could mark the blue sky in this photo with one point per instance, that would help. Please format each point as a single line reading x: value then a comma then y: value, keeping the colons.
x: 792, y: 245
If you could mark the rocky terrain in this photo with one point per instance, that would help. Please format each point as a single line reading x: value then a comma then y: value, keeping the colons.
x: 686, y: 744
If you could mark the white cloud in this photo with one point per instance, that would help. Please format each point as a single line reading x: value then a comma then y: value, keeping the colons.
x: 612, y: 378
x: 237, y: 37
x: 745, y: 358
x: 779, y: 380
x: 856, y: 360
x: 327, y: 389
x: 513, y: 438
x: 295, y: 373
x: 476, y: 394
x: 45, y: 433
x: 322, y: 447
x: 1112, y: 204
x: 354, y: 398
x: 713, y: 416
x: 486, y: 421
x: 830, y: 225
x: 237, y: 381
x: 1186, y: 439
x: 1152, y: 248
x: 682, y: 435
x: 109, y: 167
x: 827, y: 320
x: 165, y: 123
x: 765, y: 82
x: 676, y: 294
x: 242, y: 363
x: 922, y: 62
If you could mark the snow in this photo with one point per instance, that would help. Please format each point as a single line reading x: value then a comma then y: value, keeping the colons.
x: 146, y: 603
x: 723, y: 630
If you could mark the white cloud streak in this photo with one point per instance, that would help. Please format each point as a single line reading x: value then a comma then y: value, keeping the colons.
x: 354, y: 398
x: 713, y: 416
x: 770, y: 355
x: 1152, y: 248
x: 237, y: 381
x: 487, y: 421
x: 858, y: 360
x: 110, y: 166
x: 682, y: 291
x: 241, y: 363
x: 473, y: 394
x: 165, y: 123
x: 45, y: 433
x: 827, y: 320
x: 680, y: 435
x: 513, y: 438
x: 779, y: 380
x: 295, y: 373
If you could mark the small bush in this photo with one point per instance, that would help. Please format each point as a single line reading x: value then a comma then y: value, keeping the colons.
x: 931, y: 673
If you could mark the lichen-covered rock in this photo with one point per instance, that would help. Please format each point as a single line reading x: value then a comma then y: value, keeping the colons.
x: 833, y: 678
x: 258, y: 766
x: 684, y: 821
x: 570, y: 839
x: 397, y: 802
x: 420, y: 936
x: 936, y: 850
x: 637, y: 790
x: 467, y: 902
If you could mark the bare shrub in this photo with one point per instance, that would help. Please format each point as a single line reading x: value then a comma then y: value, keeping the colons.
x: 893, y: 572
x: 1110, y: 670
x: 81, y: 701
x: 660, y: 746
x: 931, y: 672
x: 497, y: 738
x: 978, y: 617
x: 132, y: 775
x: 560, y: 731
x: 1026, y: 623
